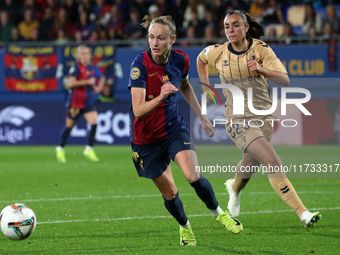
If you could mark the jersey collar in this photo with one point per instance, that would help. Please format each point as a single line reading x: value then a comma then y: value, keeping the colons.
x: 230, y: 48
x: 153, y: 61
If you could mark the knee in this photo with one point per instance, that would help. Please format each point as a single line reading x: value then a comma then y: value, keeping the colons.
x: 191, y: 180
x: 169, y: 195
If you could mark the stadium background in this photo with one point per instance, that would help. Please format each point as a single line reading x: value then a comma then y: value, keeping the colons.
x: 104, y: 208
x: 34, y: 90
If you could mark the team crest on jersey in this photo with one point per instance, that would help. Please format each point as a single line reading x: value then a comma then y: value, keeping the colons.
x: 251, y: 56
x: 165, y: 79
x: 135, y: 73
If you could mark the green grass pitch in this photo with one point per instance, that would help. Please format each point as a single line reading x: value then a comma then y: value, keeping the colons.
x: 104, y: 208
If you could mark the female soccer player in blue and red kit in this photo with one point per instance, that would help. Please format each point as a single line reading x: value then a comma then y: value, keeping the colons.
x: 158, y: 131
x: 82, y: 80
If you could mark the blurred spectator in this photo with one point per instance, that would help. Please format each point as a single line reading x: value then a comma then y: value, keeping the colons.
x: 197, y: 24
x: 287, y: 32
x: 312, y: 35
x: 84, y: 6
x: 99, y: 9
x: 133, y: 29
x: 123, y: 9
x: 327, y: 30
x: 210, y: 21
x: 5, y: 27
x: 53, y: 4
x: 272, y: 14
x: 161, y: 7
x: 236, y: 5
x: 78, y: 36
x: 29, y: 4
x: 94, y: 36
x: 116, y: 21
x: 27, y: 25
x: 189, y: 37
x: 218, y: 7
x: 15, y: 36
x: 12, y: 10
x: 61, y: 39
x: 209, y: 32
x: 271, y: 36
x: 111, y: 33
x: 153, y: 11
x: 142, y: 6
x: 311, y: 19
x: 85, y: 26
x: 34, y: 35
x: 71, y: 11
x: 103, y: 35
x: 331, y: 17
x: 256, y: 9
x: 193, y: 5
x: 176, y: 10
x: 62, y: 22
x: 46, y: 25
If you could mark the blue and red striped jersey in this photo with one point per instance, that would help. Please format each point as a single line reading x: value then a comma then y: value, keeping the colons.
x: 81, y: 96
x: 145, y: 73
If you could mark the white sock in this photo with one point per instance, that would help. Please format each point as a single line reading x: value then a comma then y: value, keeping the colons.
x: 88, y: 148
x: 216, y: 212
x: 186, y: 225
x: 59, y: 148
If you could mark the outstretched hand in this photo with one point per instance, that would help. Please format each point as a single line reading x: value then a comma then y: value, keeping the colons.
x: 207, y: 126
x: 209, y: 98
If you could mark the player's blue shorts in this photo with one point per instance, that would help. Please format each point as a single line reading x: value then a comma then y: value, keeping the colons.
x: 75, y: 113
x: 151, y: 160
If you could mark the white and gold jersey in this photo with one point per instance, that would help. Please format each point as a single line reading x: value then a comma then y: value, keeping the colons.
x: 233, y: 69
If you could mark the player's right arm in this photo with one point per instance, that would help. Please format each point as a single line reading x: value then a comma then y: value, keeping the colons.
x: 73, y: 82
x: 202, y: 69
x: 140, y: 107
x: 137, y: 84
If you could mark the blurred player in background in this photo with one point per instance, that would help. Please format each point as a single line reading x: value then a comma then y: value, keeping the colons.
x: 158, y: 131
x: 82, y: 81
x: 247, y: 57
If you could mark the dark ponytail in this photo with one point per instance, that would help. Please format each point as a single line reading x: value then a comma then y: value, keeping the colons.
x: 255, y: 29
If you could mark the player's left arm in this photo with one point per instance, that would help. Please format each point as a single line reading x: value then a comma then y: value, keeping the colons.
x: 278, y: 77
x: 189, y: 95
x: 271, y: 66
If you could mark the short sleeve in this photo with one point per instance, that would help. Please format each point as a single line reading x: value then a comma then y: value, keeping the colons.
x: 137, y: 74
x: 270, y: 60
x: 97, y: 72
x: 203, y: 55
x: 186, y: 66
x: 74, y: 71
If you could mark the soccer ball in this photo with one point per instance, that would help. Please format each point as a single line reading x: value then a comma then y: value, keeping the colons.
x: 17, y: 221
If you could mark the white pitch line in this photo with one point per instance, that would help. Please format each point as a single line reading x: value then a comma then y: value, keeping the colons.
x: 168, y: 216
x: 149, y: 195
